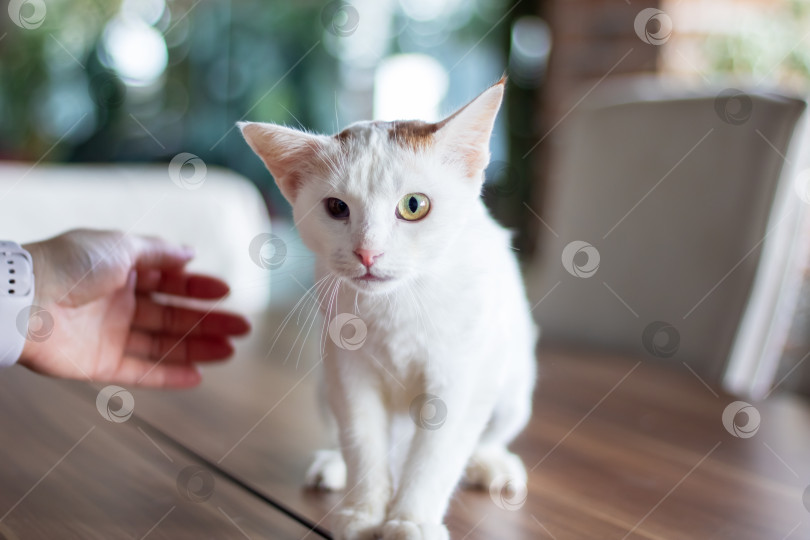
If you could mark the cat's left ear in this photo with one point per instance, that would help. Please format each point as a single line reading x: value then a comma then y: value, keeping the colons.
x: 464, y: 136
x: 290, y: 155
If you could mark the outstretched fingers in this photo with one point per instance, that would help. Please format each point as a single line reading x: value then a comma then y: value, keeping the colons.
x: 177, y: 349
x: 178, y: 283
x: 151, y: 316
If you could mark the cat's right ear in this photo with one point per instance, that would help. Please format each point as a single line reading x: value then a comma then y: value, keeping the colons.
x: 290, y: 155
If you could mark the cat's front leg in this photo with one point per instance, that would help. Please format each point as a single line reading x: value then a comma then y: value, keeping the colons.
x: 363, y: 422
x: 435, y: 462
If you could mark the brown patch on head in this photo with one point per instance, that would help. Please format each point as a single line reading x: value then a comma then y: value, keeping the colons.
x: 413, y: 134
x: 344, y: 136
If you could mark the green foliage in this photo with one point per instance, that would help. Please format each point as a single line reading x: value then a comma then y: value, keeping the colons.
x: 771, y: 47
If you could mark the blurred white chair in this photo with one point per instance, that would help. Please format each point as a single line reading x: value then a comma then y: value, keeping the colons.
x: 218, y: 216
x: 679, y: 193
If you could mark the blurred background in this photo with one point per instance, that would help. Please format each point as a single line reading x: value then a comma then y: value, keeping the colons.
x: 141, y: 81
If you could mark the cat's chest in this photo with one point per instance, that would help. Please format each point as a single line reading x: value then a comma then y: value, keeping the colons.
x: 402, y: 330
x: 399, y: 329
x: 416, y: 328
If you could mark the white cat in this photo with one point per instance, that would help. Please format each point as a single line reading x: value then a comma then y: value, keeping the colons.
x: 404, y: 243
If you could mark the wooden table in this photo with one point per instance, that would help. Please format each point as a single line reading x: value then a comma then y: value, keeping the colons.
x: 618, y: 448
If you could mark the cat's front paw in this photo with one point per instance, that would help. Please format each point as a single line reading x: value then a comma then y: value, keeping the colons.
x: 356, y: 524
x: 398, y: 529
x: 491, y: 467
x: 327, y: 472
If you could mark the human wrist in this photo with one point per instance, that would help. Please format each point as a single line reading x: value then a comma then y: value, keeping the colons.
x: 16, y: 297
x: 38, y: 260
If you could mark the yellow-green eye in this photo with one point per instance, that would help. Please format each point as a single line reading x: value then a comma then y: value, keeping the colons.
x: 413, y: 207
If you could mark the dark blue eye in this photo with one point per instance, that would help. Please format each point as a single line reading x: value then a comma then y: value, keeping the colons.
x: 337, y: 208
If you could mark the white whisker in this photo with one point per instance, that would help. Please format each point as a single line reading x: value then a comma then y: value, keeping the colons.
x: 315, y: 303
x: 301, y: 302
x: 334, y: 286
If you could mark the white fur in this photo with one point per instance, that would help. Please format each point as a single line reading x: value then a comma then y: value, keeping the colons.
x: 452, y: 320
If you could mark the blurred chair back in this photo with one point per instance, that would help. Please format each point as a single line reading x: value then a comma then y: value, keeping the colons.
x: 216, y: 211
x: 657, y: 211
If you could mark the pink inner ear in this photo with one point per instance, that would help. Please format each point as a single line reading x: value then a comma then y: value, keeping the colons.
x: 475, y: 158
x: 465, y: 134
x: 293, y: 182
x: 289, y: 165
x: 469, y: 148
x: 290, y: 155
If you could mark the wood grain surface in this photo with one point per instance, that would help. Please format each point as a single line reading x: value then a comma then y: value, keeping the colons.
x: 618, y: 448
x: 68, y: 473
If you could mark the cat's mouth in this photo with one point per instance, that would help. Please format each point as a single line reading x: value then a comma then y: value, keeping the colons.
x: 368, y: 276
x: 372, y: 283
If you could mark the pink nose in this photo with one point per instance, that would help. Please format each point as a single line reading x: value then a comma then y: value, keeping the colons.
x: 367, y: 256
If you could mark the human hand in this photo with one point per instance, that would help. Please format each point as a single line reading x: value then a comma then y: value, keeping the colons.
x: 98, y: 286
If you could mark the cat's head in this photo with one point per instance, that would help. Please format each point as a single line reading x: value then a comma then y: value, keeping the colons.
x: 380, y: 202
